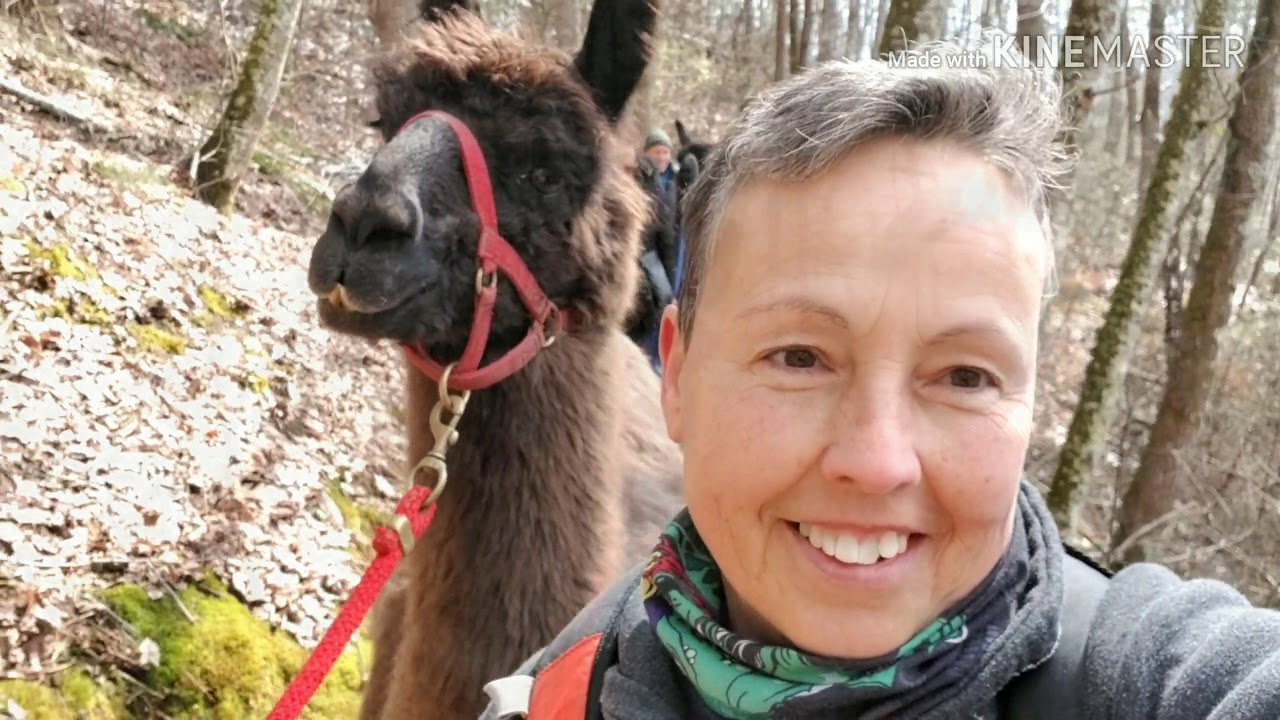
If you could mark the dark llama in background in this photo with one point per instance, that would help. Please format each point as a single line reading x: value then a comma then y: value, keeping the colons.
x: 659, y: 236
x: 563, y: 475
x: 691, y: 156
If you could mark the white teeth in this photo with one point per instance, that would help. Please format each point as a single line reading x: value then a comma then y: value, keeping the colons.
x: 849, y: 548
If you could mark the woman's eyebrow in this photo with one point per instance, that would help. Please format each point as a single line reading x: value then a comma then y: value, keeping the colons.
x: 802, y: 305
x: 995, y: 329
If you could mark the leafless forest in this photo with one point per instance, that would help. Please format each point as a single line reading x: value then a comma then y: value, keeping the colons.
x: 190, y: 467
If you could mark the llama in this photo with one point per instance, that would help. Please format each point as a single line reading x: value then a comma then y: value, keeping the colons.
x: 561, y: 475
x: 691, y: 156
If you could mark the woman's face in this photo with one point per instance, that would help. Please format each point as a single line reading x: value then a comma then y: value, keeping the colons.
x: 855, y: 402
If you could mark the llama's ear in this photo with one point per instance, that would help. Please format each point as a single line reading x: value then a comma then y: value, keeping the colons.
x: 432, y: 10
x: 682, y: 134
x: 616, y: 51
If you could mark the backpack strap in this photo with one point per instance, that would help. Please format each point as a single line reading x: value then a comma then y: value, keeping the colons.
x: 1055, y: 689
x: 565, y: 679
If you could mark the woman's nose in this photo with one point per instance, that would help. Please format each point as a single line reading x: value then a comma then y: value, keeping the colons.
x: 873, y: 444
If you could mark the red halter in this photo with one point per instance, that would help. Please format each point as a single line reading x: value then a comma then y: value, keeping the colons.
x: 493, y: 254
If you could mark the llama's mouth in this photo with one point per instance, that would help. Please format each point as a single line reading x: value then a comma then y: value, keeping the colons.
x: 408, y: 319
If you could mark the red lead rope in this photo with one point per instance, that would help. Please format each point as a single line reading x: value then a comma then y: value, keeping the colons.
x: 387, y: 546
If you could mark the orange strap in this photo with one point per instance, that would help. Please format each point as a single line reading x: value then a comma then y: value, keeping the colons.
x: 560, y: 689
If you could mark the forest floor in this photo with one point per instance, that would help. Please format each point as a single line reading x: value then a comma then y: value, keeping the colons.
x: 176, y: 429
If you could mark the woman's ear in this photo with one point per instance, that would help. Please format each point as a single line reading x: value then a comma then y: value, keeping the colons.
x: 671, y: 351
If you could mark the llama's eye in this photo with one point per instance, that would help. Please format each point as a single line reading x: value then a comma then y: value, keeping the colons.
x: 375, y: 123
x: 544, y: 180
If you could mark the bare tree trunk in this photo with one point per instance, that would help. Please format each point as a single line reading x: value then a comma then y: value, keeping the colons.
x: 227, y: 154
x: 1158, y: 483
x: 1150, y: 121
x: 1030, y: 29
x: 853, y: 42
x: 806, y: 34
x: 781, y: 34
x: 1113, y: 343
x: 1117, y: 106
x: 993, y: 14
x: 1133, y: 100
x: 903, y: 25
x: 743, y: 30
x: 1089, y: 20
x: 829, y: 32
x: 882, y: 21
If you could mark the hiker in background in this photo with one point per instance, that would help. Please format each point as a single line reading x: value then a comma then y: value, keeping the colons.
x: 660, y: 256
x: 850, y: 371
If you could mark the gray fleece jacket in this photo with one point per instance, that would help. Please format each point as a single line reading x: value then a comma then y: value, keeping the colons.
x: 1158, y: 648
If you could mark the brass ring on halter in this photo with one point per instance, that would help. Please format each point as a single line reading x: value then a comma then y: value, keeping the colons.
x: 442, y: 387
x: 454, y: 403
x: 481, y: 285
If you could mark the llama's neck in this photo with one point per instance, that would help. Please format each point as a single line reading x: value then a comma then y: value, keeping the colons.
x: 529, y: 525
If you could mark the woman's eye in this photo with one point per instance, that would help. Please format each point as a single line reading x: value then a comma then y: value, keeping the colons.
x: 969, y: 378
x: 796, y: 358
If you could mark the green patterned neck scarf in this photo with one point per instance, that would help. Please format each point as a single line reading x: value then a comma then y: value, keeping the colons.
x: 742, y: 679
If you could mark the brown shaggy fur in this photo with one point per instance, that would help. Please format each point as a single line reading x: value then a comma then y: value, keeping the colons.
x: 563, y: 475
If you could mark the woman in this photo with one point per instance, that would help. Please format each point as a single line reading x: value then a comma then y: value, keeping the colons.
x: 851, y: 375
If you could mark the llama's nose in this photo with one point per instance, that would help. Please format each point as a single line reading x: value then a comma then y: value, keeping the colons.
x: 373, y: 214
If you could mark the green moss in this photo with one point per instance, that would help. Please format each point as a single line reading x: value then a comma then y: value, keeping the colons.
x: 178, y: 30
x: 269, y: 165
x: 227, y: 664
x: 152, y: 337
x: 78, y: 697
x: 38, y: 700
x: 61, y: 260
x: 122, y: 176
x: 359, y: 519
x: 220, y: 305
x: 89, y: 699
x: 255, y: 383
x: 81, y: 310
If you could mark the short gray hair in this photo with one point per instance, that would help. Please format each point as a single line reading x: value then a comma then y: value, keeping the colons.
x: 1006, y: 111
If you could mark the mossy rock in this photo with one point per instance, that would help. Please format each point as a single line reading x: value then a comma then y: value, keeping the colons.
x: 76, y: 697
x: 227, y: 665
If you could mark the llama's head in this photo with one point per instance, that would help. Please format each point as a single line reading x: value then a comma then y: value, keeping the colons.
x: 398, y: 259
x: 691, y: 156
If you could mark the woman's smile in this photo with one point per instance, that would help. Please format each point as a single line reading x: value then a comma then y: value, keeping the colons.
x: 856, y: 559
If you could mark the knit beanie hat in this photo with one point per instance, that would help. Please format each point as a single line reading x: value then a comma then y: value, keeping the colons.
x: 656, y: 137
